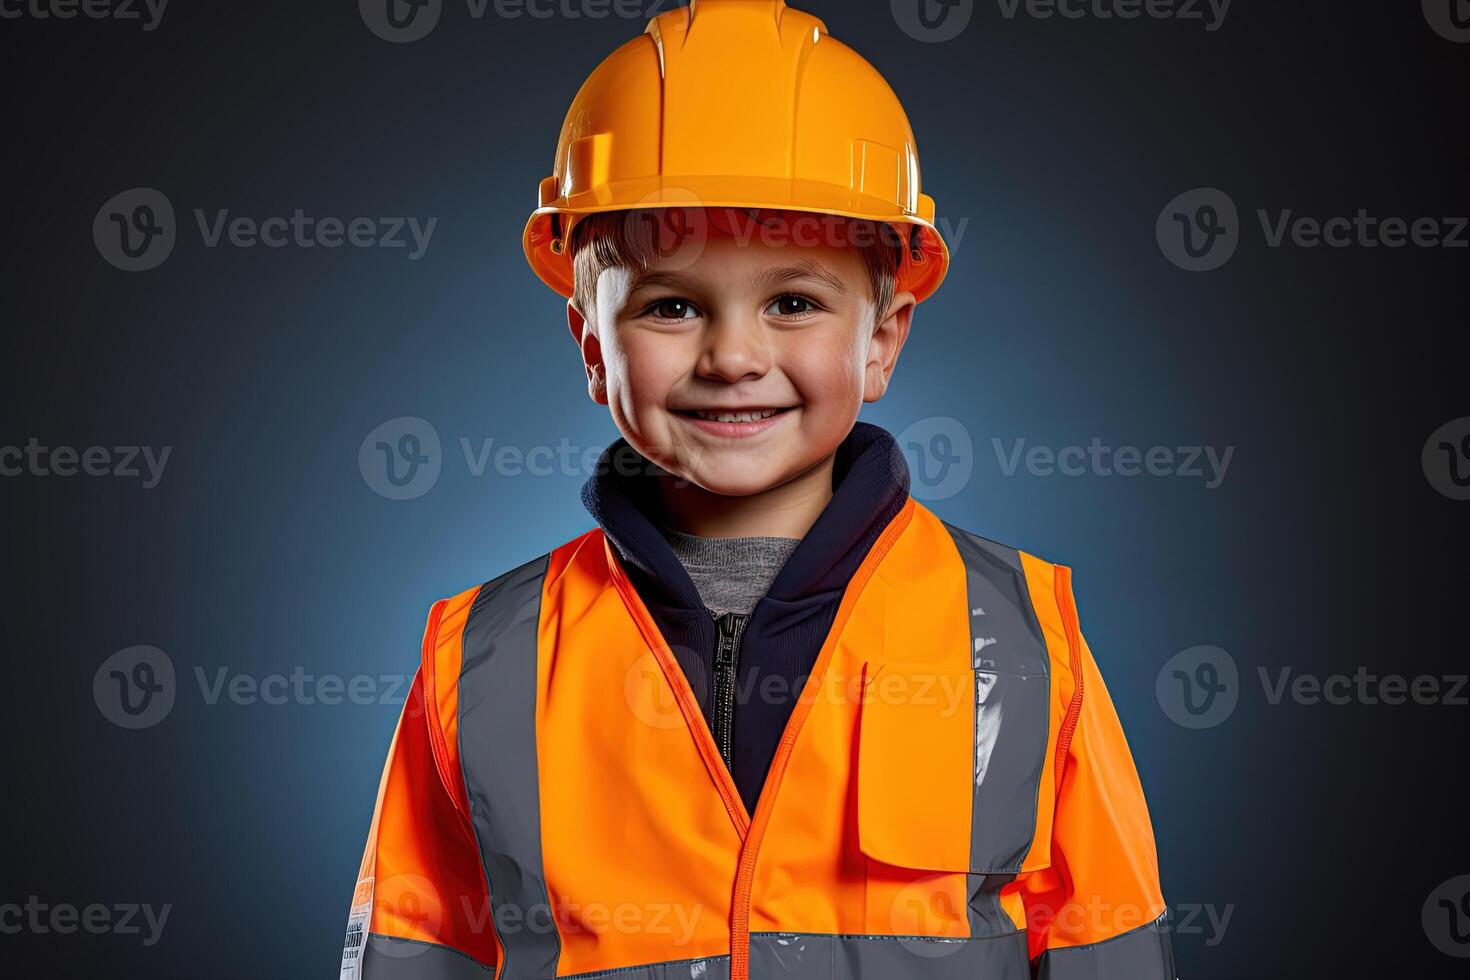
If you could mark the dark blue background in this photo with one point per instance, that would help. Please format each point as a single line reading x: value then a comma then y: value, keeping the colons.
x: 1322, y: 828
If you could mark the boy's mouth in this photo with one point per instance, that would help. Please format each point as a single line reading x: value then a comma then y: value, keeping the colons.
x: 746, y: 415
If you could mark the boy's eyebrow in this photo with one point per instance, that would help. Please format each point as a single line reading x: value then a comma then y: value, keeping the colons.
x: 674, y: 280
x: 806, y: 269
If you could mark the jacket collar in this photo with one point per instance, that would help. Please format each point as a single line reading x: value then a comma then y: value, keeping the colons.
x: 870, y: 485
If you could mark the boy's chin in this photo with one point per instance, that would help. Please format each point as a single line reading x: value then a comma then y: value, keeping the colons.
x: 727, y: 480
x: 724, y: 484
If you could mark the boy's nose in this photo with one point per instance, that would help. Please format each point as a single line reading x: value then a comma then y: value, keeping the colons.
x: 734, y: 348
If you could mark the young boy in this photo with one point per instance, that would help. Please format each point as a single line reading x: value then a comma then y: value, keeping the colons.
x: 771, y: 718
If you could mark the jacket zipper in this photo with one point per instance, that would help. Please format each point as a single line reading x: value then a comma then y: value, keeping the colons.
x: 727, y: 660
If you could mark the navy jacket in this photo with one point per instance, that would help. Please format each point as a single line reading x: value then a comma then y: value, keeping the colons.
x: 788, y: 625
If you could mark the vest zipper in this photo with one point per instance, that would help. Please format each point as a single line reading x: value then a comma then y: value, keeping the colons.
x: 727, y: 660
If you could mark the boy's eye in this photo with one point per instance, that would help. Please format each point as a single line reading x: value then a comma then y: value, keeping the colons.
x: 791, y: 305
x: 671, y: 309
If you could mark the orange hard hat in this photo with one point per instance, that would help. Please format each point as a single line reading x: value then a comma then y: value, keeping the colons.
x: 737, y: 103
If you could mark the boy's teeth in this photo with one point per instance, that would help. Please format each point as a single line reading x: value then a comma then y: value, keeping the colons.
x: 735, y: 416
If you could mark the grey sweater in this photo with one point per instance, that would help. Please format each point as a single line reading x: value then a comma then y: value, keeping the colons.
x: 731, y: 574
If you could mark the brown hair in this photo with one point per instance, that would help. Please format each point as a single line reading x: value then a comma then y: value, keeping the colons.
x: 633, y: 239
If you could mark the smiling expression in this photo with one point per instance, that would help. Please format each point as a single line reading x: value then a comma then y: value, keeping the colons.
x: 745, y: 366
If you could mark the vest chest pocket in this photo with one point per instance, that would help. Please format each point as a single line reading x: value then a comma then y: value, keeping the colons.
x: 949, y: 767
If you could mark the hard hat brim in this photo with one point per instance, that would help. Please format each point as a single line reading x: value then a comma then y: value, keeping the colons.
x: 920, y: 274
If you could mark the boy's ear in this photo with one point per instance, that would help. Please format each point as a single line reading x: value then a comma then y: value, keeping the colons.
x: 591, y: 348
x: 888, y: 339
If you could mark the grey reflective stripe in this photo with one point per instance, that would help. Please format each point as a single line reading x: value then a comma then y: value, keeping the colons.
x: 820, y: 956
x: 805, y: 956
x: 1012, y: 721
x: 387, y: 958
x: 708, y: 968
x: 497, y: 707
x: 1145, y: 953
x: 987, y: 918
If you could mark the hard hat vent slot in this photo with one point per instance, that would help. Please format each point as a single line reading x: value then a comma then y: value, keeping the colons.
x: 877, y: 168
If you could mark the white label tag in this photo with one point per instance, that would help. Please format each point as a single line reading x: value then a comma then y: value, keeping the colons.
x: 358, y: 921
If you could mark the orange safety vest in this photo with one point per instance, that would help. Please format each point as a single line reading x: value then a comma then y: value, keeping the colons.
x: 952, y: 797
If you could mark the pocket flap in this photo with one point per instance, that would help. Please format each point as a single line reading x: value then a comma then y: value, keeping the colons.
x: 914, y: 765
x: 950, y: 767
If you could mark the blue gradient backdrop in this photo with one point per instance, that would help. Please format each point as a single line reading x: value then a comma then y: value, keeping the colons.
x: 1052, y: 144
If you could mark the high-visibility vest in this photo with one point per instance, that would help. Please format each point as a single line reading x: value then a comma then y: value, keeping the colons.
x: 953, y: 796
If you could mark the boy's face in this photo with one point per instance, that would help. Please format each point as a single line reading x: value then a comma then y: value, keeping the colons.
x: 747, y: 327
